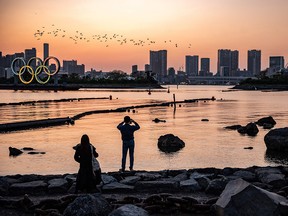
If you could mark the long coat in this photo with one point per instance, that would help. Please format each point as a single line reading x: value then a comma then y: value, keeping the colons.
x: 85, y: 179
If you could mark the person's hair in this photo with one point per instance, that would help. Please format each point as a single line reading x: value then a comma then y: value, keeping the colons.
x: 85, y: 140
x: 127, y: 119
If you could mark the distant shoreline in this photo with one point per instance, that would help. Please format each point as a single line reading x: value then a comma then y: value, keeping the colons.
x: 262, y: 87
x: 75, y: 87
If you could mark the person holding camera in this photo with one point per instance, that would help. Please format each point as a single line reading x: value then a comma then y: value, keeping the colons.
x: 127, y: 129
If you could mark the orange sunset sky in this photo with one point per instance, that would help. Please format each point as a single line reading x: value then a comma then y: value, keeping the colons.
x: 194, y: 27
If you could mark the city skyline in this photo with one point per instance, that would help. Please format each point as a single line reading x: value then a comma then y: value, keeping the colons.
x: 194, y: 28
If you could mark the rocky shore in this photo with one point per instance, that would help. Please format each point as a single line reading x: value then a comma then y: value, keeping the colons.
x: 205, y: 191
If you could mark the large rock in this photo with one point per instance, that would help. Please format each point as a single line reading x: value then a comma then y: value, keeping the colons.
x: 117, y: 187
x: 246, y: 175
x: 266, y: 120
x: 94, y: 205
x: 190, y: 185
x: 130, y: 180
x: 14, y: 151
x: 129, y: 210
x: 250, y: 129
x: 148, y: 176
x: 217, y: 186
x: 203, y: 182
x: 34, y: 187
x: 180, y: 177
x: 277, y: 139
x: 233, y: 127
x: 170, y: 143
x: 57, y: 186
x: 107, y: 179
x: 4, y: 186
x: 271, y: 175
x: 241, y: 198
x: 156, y: 186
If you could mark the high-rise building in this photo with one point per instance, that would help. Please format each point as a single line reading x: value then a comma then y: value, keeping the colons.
x: 67, y: 63
x: 234, y: 61
x: 147, y: 67
x: 171, y: 72
x: 134, y: 68
x: 46, y: 51
x: 228, y: 62
x: 276, y: 62
x: 205, y: 65
x: 30, y: 53
x: 192, y: 65
x: 158, y: 64
x: 73, y: 68
x: 254, y: 61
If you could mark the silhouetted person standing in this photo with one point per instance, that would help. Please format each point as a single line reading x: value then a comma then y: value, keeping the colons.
x: 85, y: 181
x: 127, y: 133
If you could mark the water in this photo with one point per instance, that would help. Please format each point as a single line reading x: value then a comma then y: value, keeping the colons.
x: 207, y: 143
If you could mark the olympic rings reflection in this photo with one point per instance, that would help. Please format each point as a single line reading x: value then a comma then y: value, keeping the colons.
x: 41, y: 67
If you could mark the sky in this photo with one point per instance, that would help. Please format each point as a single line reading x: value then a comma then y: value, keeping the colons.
x: 116, y: 34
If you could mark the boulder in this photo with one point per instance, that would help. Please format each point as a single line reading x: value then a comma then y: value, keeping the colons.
x: 148, y: 176
x: 203, y: 182
x: 277, y: 139
x: 180, y: 177
x: 117, y: 187
x: 266, y: 120
x: 233, y: 127
x: 216, y: 186
x: 190, y: 185
x: 243, y: 198
x: 156, y: 186
x: 4, y: 186
x: 70, y: 178
x: 272, y: 176
x: 14, y: 151
x: 130, y: 180
x: 267, y: 126
x: 129, y: 210
x: 107, y: 179
x: 246, y: 175
x: 196, y: 175
x: 170, y: 143
x: 88, y: 205
x: 250, y: 129
x: 57, y: 186
x: 34, y: 187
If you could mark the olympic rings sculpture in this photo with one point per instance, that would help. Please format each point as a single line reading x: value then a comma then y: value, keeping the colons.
x: 42, y: 67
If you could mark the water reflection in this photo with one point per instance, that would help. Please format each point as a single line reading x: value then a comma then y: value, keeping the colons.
x: 276, y: 157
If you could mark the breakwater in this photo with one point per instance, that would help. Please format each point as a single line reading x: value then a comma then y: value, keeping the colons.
x: 70, y: 120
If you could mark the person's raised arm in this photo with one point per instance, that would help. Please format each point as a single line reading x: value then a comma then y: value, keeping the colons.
x: 136, y: 124
x: 120, y: 124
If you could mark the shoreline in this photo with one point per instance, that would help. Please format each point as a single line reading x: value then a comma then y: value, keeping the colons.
x: 200, y: 187
x: 76, y: 87
x: 261, y: 87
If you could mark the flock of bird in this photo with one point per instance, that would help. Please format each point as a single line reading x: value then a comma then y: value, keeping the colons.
x: 106, y: 39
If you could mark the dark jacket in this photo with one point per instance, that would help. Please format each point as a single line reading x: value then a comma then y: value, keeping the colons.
x: 127, y: 130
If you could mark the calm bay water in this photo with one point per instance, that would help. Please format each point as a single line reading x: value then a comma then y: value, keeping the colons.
x: 207, y: 143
